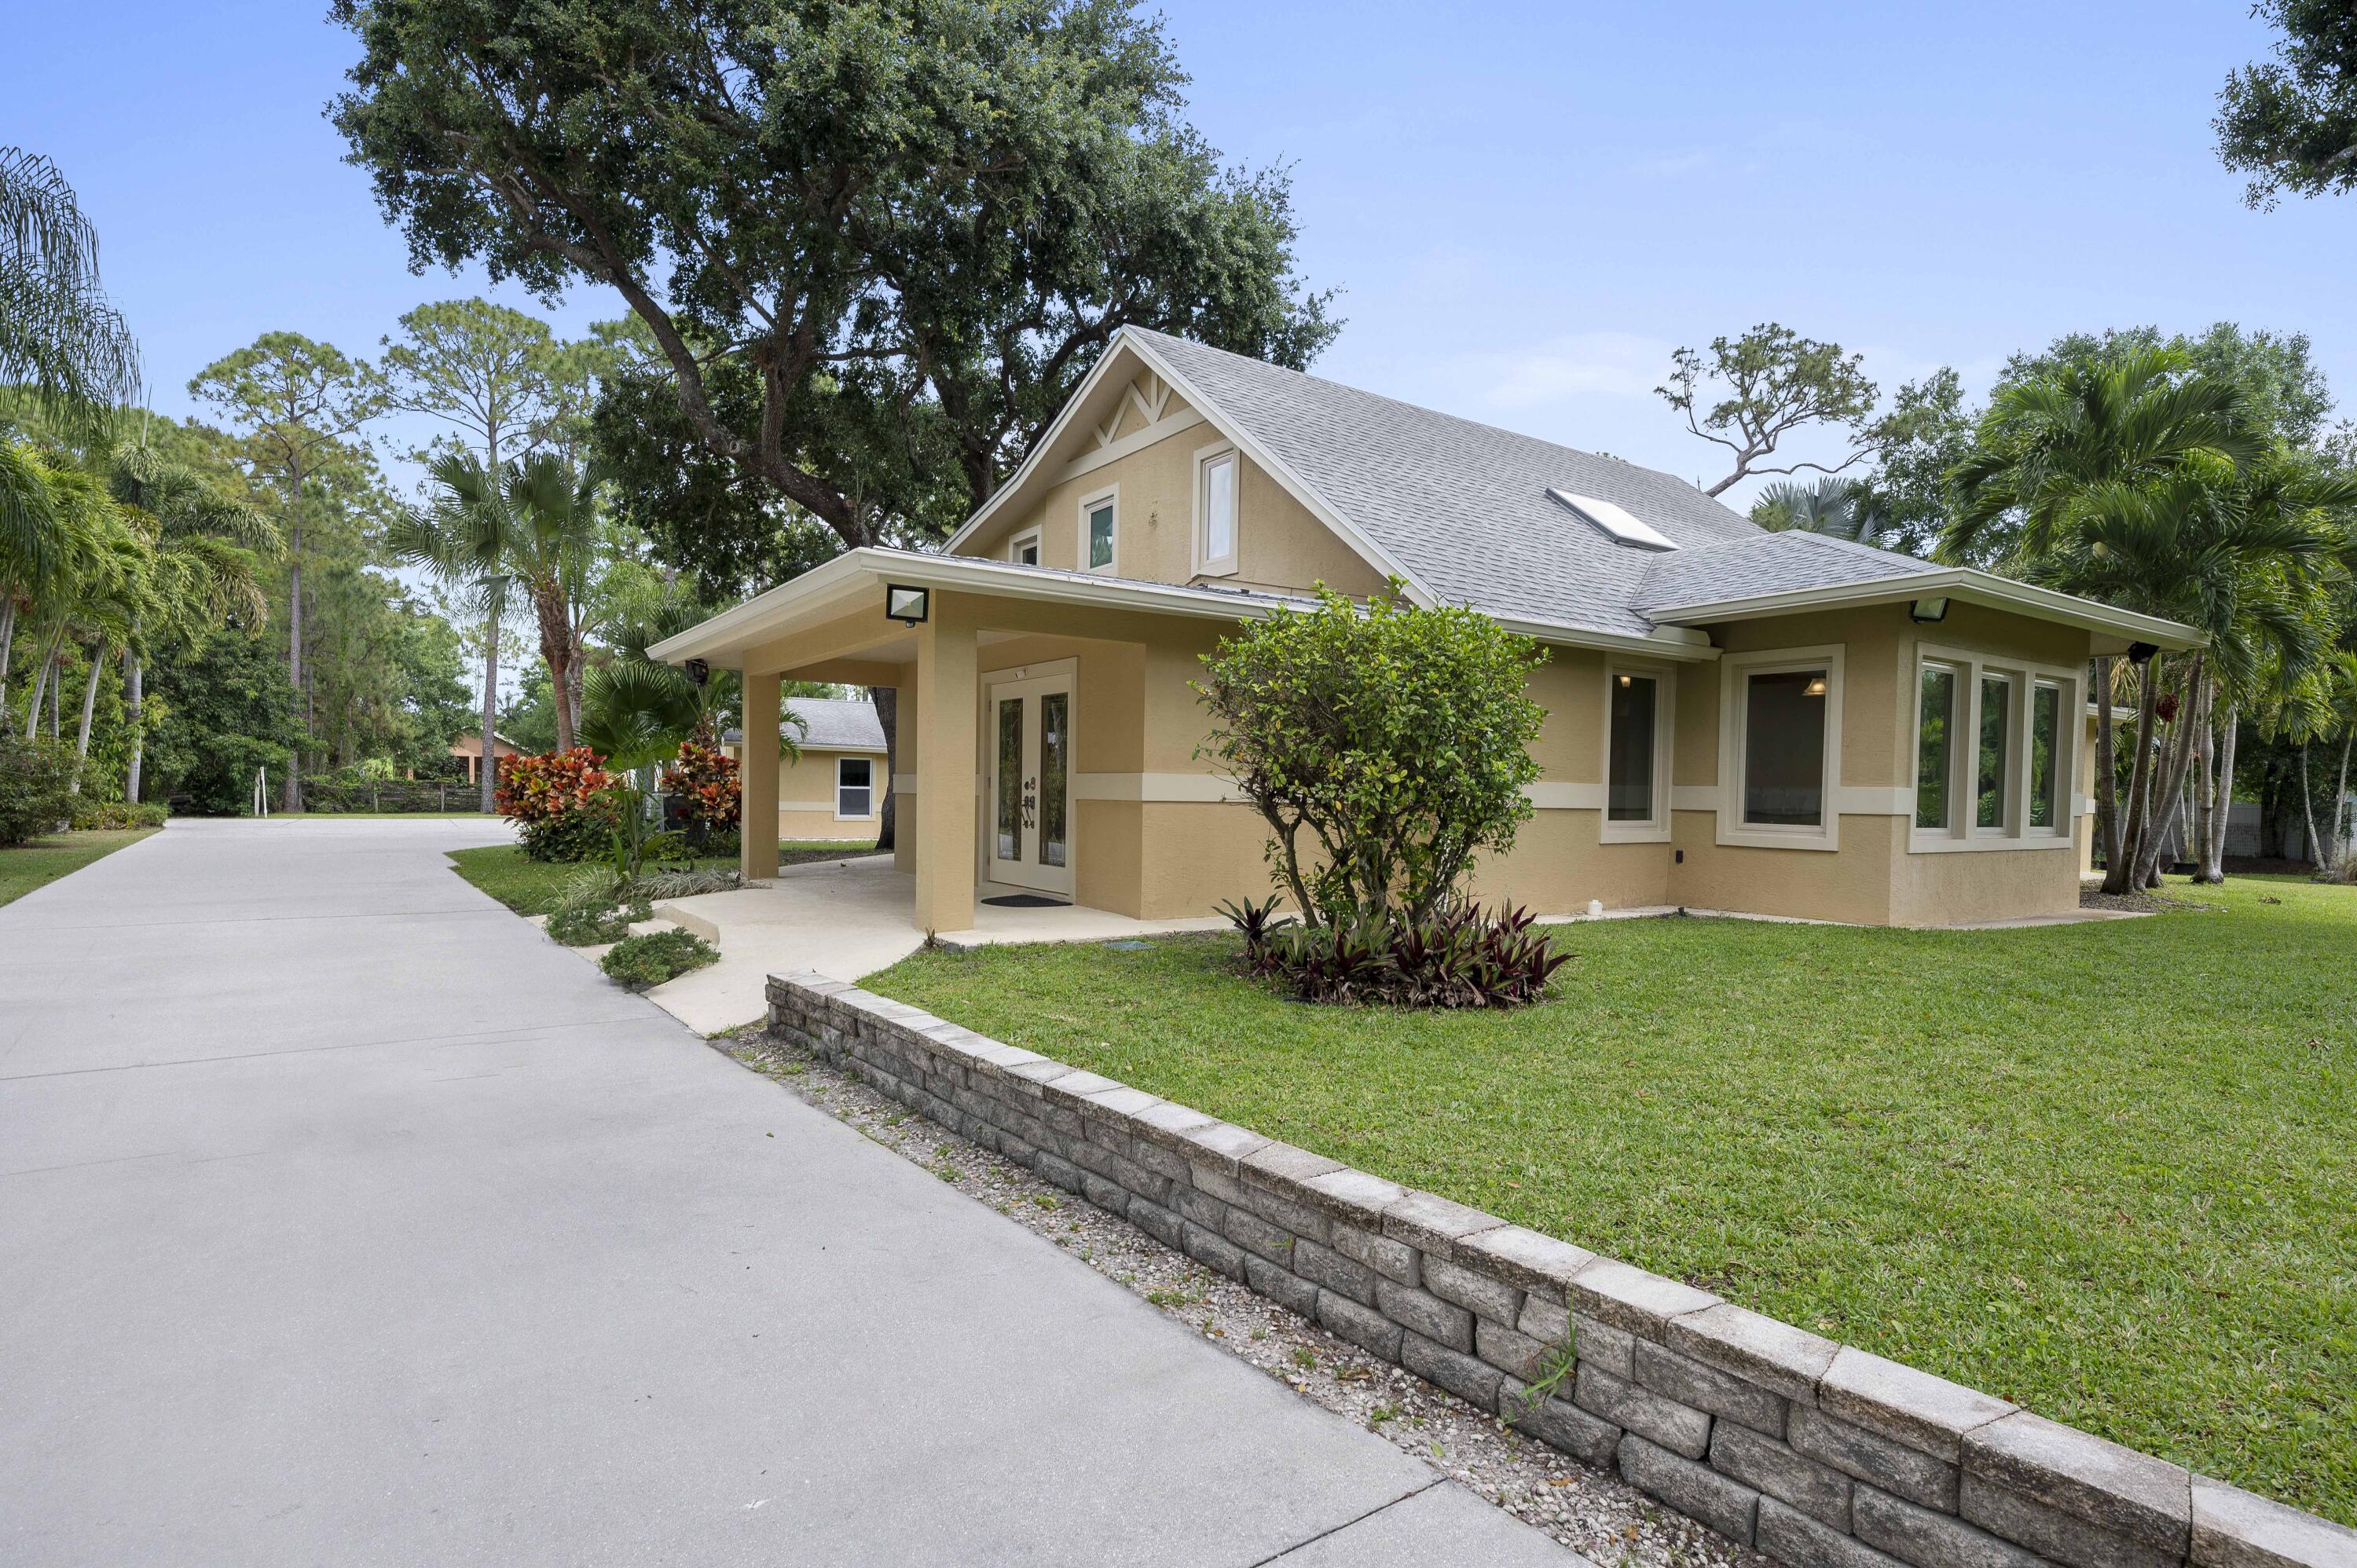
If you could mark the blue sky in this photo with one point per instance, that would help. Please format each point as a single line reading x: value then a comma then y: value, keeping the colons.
x: 1527, y: 206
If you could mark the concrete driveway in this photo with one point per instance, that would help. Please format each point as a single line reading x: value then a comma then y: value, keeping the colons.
x: 346, y: 1219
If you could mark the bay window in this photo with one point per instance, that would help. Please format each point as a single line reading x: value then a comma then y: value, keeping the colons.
x: 1994, y: 753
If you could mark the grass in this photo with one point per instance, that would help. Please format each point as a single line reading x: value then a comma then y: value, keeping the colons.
x: 42, y: 862
x: 530, y: 887
x: 2108, y: 1171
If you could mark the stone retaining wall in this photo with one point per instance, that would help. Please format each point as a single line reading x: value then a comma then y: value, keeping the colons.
x: 1815, y: 1453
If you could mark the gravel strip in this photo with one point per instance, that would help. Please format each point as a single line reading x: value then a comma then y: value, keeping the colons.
x: 1593, y: 1513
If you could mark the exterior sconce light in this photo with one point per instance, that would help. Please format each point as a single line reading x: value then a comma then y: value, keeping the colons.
x: 907, y: 605
x: 697, y: 670
x: 2141, y: 653
x: 1928, y: 612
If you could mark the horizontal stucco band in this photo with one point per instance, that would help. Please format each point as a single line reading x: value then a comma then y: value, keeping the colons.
x: 1813, y: 1452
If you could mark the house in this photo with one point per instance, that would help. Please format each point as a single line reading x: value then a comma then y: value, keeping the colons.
x: 470, y: 746
x: 835, y: 788
x: 1780, y: 723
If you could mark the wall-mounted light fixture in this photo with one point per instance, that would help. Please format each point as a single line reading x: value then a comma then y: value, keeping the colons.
x: 906, y: 605
x: 2142, y: 652
x: 697, y: 670
x: 1928, y: 612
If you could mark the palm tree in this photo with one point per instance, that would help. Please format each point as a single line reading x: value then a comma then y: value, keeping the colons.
x: 2245, y: 556
x: 58, y: 333
x: 556, y: 516
x: 1836, y: 507
x: 2044, y: 453
x: 467, y: 543
x: 208, y: 549
x: 88, y: 529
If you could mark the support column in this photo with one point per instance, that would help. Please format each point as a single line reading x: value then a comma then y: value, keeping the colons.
x: 947, y: 766
x: 757, y: 779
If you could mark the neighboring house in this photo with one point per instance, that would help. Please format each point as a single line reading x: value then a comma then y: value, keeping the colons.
x: 836, y: 789
x: 1775, y: 723
x: 470, y: 746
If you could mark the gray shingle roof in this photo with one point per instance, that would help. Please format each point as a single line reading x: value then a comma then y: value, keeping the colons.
x: 1464, y: 509
x: 834, y: 725
x: 1765, y: 564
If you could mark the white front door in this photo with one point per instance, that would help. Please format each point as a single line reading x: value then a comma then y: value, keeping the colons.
x: 1028, y: 833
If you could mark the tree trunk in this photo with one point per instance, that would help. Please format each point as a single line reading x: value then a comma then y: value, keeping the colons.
x: 291, y: 791
x: 2340, y: 798
x: 133, y: 703
x: 2213, y: 866
x: 89, y: 706
x: 2204, y: 803
x: 487, y: 762
x: 2118, y: 873
x: 2107, y: 773
x: 887, y: 711
x: 2308, y: 805
x: 7, y: 635
x: 2193, y: 715
x: 41, y: 674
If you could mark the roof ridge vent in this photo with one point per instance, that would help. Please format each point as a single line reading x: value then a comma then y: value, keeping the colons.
x: 1612, y: 521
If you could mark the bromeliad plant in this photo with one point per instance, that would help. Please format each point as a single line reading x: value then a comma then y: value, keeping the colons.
x: 1387, y: 745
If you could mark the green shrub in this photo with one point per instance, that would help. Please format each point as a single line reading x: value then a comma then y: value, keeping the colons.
x: 590, y: 910
x: 1384, y: 744
x: 115, y: 816
x: 569, y: 837
x: 640, y: 962
x: 1460, y: 957
x: 35, y: 780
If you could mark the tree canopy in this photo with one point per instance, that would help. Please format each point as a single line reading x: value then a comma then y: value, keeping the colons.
x: 2290, y: 123
x: 874, y: 243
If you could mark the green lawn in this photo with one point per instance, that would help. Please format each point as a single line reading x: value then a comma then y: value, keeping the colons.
x: 2108, y: 1171
x: 43, y: 861
x: 527, y: 885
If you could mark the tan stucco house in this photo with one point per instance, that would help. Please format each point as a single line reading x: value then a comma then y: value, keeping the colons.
x: 1780, y: 724
x: 835, y: 788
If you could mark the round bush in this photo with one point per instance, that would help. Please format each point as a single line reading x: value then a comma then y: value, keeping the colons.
x: 36, y: 777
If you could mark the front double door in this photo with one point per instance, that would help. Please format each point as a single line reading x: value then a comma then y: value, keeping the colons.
x: 1028, y: 831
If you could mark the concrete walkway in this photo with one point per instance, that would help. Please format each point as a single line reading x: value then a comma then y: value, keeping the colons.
x: 345, y: 1218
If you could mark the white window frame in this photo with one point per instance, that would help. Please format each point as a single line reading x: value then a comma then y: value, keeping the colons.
x: 840, y: 814
x: 1736, y: 671
x: 1206, y: 565
x: 1030, y: 536
x: 1963, y: 831
x: 1109, y: 496
x: 1656, y: 828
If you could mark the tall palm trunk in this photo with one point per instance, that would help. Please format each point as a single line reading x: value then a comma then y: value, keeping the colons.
x: 487, y: 763
x: 2107, y: 773
x: 7, y: 635
x: 2213, y: 864
x: 89, y: 706
x: 2307, y: 805
x: 2204, y: 803
x: 2119, y: 873
x: 132, y: 693
x: 41, y: 676
x: 887, y: 701
x: 2339, y: 802
x: 2193, y: 715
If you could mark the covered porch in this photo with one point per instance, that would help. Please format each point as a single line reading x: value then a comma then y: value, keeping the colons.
x: 1043, y: 737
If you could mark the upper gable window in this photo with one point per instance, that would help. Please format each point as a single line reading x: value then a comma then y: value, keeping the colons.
x: 1100, y: 535
x: 1614, y: 522
x: 1217, y: 479
x: 1024, y: 551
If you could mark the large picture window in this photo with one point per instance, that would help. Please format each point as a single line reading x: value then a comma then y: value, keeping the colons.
x: 854, y: 787
x: 1784, y: 749
x: 1995, y: 752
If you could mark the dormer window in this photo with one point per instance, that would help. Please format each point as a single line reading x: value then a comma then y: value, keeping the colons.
x: 1612, y: 521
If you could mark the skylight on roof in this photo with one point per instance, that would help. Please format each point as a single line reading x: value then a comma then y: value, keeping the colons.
x: 1613, y: 522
